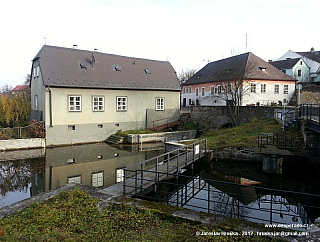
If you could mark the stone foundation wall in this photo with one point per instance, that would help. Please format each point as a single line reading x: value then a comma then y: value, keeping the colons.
x: 214, y: 117
x: 161, y: 137
x: 17, y: 144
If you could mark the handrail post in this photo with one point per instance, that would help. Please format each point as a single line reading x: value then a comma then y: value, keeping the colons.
x: 124, y: 182
x: 193, y: 152
x: 136, y: 183
x: 141, y: 175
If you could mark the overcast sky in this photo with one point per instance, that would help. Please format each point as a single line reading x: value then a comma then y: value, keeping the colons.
x: 188, y: 33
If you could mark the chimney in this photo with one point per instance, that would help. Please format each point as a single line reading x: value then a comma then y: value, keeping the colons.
x: 269, y: 61
x: 312, y: 49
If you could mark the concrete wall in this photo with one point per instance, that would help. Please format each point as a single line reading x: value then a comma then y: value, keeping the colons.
x: 214, y: 117
x: 161, y: 137
x: 95, y: 126
x: 250, y: 98
x: 310, y: 95
x: 16, y: 144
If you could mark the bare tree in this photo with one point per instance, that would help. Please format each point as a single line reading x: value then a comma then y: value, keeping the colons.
x: 186, y: 74
x: 27, y: 80
x: 232, y: 86
x: 5, y: 88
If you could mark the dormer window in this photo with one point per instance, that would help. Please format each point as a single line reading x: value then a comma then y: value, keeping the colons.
x: 262, y: 68
x: 117, y: 68
x: 198, y: 76
x: 147, y: 71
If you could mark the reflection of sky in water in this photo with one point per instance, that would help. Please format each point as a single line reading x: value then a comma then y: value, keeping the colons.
x: 14, y: 196
x: 258, y: 210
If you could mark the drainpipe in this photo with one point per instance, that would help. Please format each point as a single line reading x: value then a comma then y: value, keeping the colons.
x: 50, y: 106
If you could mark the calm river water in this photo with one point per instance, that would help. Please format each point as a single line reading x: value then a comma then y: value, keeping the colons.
x: 101, y: 165
x: 98, y: 165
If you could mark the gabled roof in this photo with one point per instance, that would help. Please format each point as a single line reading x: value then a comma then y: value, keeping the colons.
x: 65, y: 67
x: 312, y: 55
x: 285, y: 64
x: 20, y: 88
x: 241, y: 67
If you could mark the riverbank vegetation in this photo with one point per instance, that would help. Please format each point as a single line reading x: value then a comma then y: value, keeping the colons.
x: 74, y: 216
x: 247, y: 134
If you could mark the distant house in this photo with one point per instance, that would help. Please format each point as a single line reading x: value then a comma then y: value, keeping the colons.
x: 85, y: 96
x: 312, y: 60
x: 296, y: 68
x: 252, y: 80
x: 21, y: 90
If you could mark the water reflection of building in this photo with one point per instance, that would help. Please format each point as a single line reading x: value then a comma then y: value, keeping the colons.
x: 98, y: 165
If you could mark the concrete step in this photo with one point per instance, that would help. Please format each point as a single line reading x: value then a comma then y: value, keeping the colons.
x: 113, y: 139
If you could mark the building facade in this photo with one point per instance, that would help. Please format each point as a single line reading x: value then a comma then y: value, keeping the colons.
x: 312, y: 60
x: 86, y: 96
x: 242, y: 80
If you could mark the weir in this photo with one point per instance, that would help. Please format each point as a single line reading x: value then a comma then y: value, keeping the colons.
x: 141, y: 177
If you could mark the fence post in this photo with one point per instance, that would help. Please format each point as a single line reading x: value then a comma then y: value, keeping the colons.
x: 141, y: 175
x: 193, y: 153
x: 136, y: 184
x: 271, y: 209
x: 208, y: 190
x: 124, y: 182
x: 238, y: 200
x: 178, y: 154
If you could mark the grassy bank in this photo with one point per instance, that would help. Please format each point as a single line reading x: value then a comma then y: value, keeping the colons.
x: 74, y: 216
x: 246, y: 134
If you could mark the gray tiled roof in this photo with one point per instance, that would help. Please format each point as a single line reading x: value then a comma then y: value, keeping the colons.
x: 65, y: 67
x: 285, y: 64
x: 312, y: 55
x: 241, y: 67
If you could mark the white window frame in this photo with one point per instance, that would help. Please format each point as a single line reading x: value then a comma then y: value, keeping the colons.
x: 190, y: 89
x: 285, y: 89
x: 97, y: 179
x: 253, y: 87
x: 203, y: 89
x: 160, y: 103
x: 122, y: 103
x: 98, y: 103
x: 184, y: 90
x: 229, y: 87
x: 74, y: 103
x: 276, y: 88
x: 212, y: 90
x: 263, y: 88
x: 119, y: 175
x: 38, y: 71
x: 36, y: 102
x: 197, y: 91
x: 219, y: 89
x: 74, y: 179
x: 34, y: 72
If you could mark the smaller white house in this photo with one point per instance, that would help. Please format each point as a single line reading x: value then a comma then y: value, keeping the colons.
x: 296, y: 68
x: 312, y: 60
x: 239, y: 80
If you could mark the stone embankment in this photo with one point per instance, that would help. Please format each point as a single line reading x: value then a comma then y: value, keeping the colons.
x: 19, y: 144
x: 161, y: 137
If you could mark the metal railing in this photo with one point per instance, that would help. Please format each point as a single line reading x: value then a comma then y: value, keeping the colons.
x: 253, y: 203
x: 311, y: 112
x: 34, y: 130
x: 278, y: 140
x: 135, y: 178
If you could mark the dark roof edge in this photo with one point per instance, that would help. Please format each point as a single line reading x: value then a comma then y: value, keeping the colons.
x: 113, y: 88
x: 80, y: 50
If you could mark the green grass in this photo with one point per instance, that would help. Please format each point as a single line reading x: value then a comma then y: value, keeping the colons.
x: 74, y: 216
x: 242, y: 135
x: 125, y: 133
